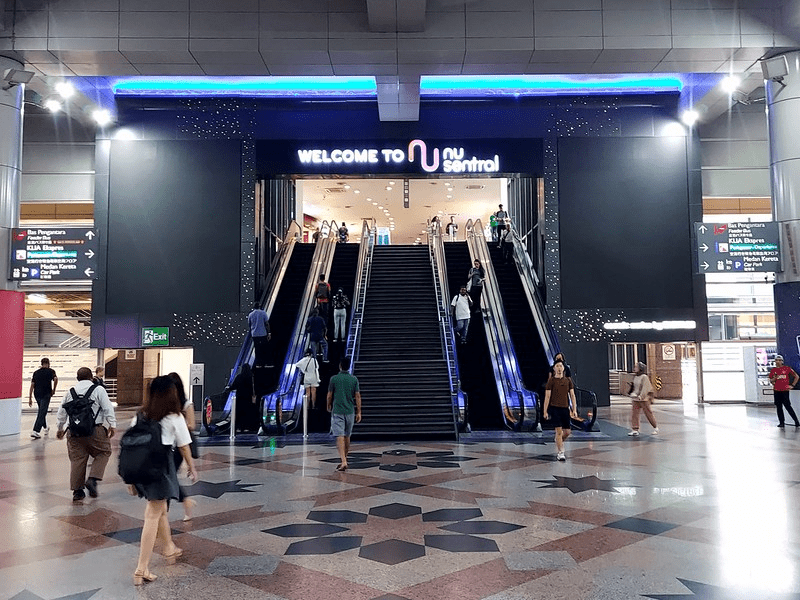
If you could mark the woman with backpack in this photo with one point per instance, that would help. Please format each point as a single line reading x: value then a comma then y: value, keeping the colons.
x: 162, y: 406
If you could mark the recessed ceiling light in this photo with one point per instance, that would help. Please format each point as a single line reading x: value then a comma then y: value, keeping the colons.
x: 375, y: 204
x: 369, y: 199
x: 380, y: 207
x: 388, y: 188
x: 449, y: 195
x: 356, y: 192
x: 65, y: 89
x: 346, y: 186
x: 53, y: 105
x: 391, y: 183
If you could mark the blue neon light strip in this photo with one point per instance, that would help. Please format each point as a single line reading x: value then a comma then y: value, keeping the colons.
x: 547, y: 85
x: 245, y: 86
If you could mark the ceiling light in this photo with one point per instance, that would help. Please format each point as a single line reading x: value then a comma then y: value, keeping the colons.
x: 356, y: 191
x: 124, y: 134
x: 449, y: 195
x: 730, y: 84
x: 690, y: 117
x: 388, y: 188
x: 65, y: 89
x: 347, y: 186
x: 374, y: 204
x: 102, y: 117
x: 380, y: 207
x: 369, y: 199
x: 391, y: 183
x: 53, y: 105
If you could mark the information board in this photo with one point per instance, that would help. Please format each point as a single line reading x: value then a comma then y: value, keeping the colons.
x: 53, y: 254
x: 732, y: 247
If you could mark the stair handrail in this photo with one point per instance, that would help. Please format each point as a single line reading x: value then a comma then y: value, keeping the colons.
x: 289, y: 390
x: 517, y: 402
x: 447, y: 334
x: 365, y: 252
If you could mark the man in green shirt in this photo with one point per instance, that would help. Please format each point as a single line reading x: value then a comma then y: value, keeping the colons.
x: 344, y: 404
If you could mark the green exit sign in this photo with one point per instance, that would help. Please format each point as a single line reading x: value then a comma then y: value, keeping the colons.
x: 155, y: 336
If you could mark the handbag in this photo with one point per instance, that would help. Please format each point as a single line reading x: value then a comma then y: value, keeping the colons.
x: 469, y: 285
x: 193, y: 445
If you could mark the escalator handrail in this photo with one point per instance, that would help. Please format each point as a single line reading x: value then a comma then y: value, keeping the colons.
x: 524, y: 267
x: 504, y: 359
x: 437, y: 258
x: 365, y: 252
x: 277, y: 271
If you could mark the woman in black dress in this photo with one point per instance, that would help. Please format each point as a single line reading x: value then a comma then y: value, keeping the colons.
x: 246, y: 405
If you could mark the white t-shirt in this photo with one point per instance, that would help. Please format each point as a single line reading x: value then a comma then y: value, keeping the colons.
x: 174, y: 431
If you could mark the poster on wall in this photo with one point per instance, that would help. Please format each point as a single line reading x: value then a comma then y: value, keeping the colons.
x: 668, y: 351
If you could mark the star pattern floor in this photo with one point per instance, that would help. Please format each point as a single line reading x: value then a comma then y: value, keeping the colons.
x: 705, y: 510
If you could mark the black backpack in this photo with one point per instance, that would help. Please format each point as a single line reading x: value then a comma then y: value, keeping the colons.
x: 80, y: 413
x: 142, y: 456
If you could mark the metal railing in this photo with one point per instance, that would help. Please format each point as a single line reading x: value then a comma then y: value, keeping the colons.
x: 447, y: 335
x: 365, y: 250
x: 518, y: 404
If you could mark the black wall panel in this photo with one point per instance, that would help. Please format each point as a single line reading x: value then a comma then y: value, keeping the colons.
x: 174, y: 226
x: 624, y: 223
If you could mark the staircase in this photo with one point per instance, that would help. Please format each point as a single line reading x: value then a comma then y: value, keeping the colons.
x: 531, y: 356
x: 402, y: 373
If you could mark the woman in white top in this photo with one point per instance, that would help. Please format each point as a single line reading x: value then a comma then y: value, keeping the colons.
x: 162, y: 405
x: 309, y: 366
x: 642, y: 395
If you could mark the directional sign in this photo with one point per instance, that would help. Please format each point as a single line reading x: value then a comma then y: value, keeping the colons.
x: 53, y: 254
x: 742, y: 247
x: 196, y: 373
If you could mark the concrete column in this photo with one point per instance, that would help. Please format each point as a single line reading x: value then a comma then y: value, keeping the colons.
x: 12, y: 304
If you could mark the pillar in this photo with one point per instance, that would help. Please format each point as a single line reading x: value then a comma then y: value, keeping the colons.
x: 12, y: 302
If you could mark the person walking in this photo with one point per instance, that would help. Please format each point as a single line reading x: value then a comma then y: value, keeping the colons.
x: 97, y: 445
x: 506, y: 243
x: 475, y: 279
x: 500, y: 219
x: 187, y: 410
x: 560, y: 357
x: 318, y: 330
x: 452, y: 229
x: 309, y: 367
x: 43, y: 387
x: 344, y: 404
x: 259, y: 330
x: 559, y: 406
x: 340, y: 303
x: 99, y: 373
x: 642, y: 397
x: 783, y: 378
x: 461, y: 308
x: 162, y: 405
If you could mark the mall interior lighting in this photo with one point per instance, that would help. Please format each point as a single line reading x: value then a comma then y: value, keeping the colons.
x: 53, y: 105
x: 357, y: 86
x: 730, y: 84
x: 65, y: 89
x: 690, y: 117
x: 547, y: 85
x: 101, y: 116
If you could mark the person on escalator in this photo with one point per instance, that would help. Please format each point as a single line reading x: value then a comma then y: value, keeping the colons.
x: 559, y: 406
x: 506, y: 243
x: 452, y: 229
x: 259, y: 330
x: 340, y: 304
x: 309, y: 367
x: 323, y: 295
x: 461, y: 308
x: 475, y: 279
x: 344, y: 235
x: 317, y: 329
x: 560, y: 357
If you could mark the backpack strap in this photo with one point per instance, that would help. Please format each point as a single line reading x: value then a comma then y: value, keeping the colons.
x: 74, y: 393
x: 88, y: 396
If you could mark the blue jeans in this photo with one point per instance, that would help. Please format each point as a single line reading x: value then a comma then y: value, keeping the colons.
x: 461, y: 329
x: 339, y: 323
x: 315, y: 346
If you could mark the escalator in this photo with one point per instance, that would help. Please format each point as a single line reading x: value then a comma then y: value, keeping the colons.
x: 474, y: 360
x: 342, y: 275
x: 534, y: 364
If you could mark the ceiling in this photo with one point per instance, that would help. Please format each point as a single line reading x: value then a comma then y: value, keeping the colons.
x: 395, y: 42
x: 353, y: 200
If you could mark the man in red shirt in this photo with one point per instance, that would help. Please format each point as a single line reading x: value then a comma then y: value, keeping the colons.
x: 779, y: 377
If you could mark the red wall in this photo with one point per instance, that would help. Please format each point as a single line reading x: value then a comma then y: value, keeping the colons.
x: 12, y: 342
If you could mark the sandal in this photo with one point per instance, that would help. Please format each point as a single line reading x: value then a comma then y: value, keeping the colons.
x: 188, y: 507
x: 140, y: 577
x: 341, y: 468
x: 172, y: 558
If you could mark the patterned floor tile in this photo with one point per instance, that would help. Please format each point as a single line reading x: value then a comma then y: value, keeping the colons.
x: 324, y: 545
x: 642, y: 525
x: 452, y: 514
x: 305, y: 530
x: 532, y: 561
x: 395, y: 510
x: 461, y: 543
x: 243, y: 565
x: 481, y: 527
x: 392, y: 552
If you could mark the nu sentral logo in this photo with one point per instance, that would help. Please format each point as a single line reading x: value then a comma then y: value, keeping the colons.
x: 155, y: 336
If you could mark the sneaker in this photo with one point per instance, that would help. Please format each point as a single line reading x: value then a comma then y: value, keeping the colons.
x: 91, y: 486
x: 633, y: 432
x: 779, y: 425
x: 47, y: 431
x: 560, y: 456
x: 78, y: 495
x: 35, y: 435
x: 655, y: 431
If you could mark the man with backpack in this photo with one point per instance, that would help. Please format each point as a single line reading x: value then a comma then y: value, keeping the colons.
x: 87, y: 418
x: 323, y: 295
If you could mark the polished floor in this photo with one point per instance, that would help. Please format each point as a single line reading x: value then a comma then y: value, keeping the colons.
x: 707, y: 509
